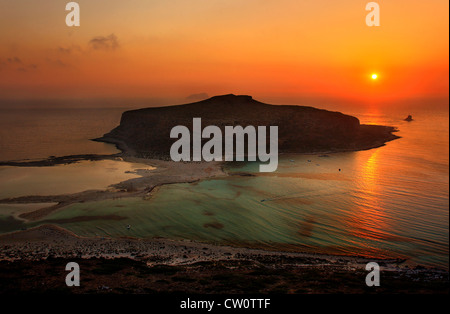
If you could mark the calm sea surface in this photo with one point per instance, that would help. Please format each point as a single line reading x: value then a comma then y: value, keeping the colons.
x: 391, y: 201
x: 40, y: 133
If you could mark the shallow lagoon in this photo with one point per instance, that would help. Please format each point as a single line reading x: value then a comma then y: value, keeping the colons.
x: 65, y: 179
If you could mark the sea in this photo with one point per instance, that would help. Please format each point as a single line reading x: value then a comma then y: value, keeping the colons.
x: 387, y: 202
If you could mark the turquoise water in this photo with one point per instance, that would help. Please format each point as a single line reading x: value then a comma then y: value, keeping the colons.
x: 386, y: 202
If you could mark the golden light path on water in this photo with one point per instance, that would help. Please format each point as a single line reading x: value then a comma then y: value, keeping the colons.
x: 367, y: 222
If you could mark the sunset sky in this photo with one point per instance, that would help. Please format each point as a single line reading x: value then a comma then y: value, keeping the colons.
x: 285, y: 50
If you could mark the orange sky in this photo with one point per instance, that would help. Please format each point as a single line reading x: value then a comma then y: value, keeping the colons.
x: 285, y: 49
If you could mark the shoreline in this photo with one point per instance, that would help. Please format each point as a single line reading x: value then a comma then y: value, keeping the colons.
x: 128, y: 265
x: 44, y: 241
x: 52, y: 241
x: 22, y: 244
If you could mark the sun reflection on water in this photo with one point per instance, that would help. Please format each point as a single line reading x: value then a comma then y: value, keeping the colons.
x: 367, y: 222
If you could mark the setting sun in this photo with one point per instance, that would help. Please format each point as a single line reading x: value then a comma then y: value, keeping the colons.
x: 374, y: 76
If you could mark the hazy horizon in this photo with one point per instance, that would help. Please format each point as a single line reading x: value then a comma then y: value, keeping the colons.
x: 133, y: 102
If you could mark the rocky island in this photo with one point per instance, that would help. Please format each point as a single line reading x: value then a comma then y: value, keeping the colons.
x: 145, y: 132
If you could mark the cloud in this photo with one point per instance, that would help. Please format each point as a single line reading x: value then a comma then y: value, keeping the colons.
x: 27, y: 68
x: 64, y: 50
x: 56, y: 62
x: 16, y: 64
x: 69, y: 50
x: 104, y: 43
x: 14, y: 60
